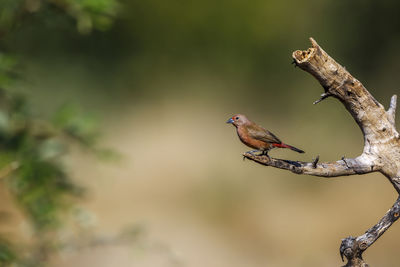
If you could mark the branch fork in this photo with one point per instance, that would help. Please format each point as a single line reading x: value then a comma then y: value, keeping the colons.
x: 381, y: 151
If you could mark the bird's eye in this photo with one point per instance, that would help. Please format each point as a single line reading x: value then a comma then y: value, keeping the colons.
x: 236, y: 118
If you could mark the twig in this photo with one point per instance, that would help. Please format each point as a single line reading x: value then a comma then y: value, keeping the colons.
x: 323, y: 96
x: 315, y: 161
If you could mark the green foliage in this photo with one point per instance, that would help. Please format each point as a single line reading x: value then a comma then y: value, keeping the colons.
x: 91, y: 14
x: 81, y: 127
x: 88, y: 14
x: 7, y: 69
x: 41, y: 187
x: 7, y: 255
x: 31, y: 155
x: 32, y: 148
x: 77, y: 124
x: 31, y: 151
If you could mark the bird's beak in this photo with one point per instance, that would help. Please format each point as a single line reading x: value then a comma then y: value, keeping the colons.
x: 229, y: 121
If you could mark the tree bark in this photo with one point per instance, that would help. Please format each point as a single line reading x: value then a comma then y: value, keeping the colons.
x: 381, y: 151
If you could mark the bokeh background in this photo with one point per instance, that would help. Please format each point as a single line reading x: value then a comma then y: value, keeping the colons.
x: 161, y: 78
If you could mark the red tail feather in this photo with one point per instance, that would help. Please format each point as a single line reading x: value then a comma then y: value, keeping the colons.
x: 282, y: 145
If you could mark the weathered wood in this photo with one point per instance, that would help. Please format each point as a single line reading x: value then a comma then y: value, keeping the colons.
x: 381, y: 151
x: 327, y: 169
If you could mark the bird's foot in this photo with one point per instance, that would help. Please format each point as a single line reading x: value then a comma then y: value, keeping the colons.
x: 260, y: 153
x: 265, y: 153
x: 254, y: 151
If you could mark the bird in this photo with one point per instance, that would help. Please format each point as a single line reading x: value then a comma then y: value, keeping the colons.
x: 257, y: 137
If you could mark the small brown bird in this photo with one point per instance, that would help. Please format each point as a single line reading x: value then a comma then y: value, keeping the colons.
x: 257, y: 137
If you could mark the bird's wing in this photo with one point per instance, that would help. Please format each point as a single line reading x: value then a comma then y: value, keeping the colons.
x: 259, y: 133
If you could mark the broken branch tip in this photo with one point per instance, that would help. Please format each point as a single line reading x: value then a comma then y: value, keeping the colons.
x: 313, y: 42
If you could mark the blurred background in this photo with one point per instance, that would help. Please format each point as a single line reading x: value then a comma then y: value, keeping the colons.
x: 115, y: 150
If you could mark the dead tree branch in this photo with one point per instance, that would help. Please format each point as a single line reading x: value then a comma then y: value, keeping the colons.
x: 381, y: 151
x: 326, y: 169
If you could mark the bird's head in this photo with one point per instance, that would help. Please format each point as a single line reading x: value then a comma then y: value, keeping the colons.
x: 238, y: 120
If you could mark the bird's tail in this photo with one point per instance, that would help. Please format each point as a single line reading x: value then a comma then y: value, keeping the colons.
x: 290, y: 147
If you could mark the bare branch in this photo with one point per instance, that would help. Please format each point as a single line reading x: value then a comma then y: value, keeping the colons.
x: 326, y: 169
x: 372, y: 234
x: 381, y: 150
x: 338, y: 82
x: 351, y: 246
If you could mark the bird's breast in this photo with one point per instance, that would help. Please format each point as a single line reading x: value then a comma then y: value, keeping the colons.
x: 251, y: 142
